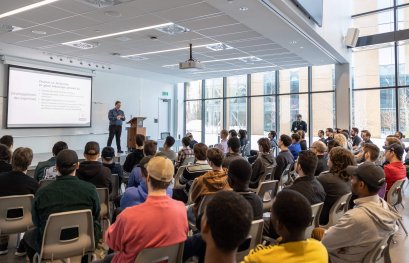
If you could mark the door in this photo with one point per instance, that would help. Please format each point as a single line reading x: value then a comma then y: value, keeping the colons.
x: 164, y: 118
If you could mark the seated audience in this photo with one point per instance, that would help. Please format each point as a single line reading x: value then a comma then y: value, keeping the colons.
x: 295, y: 146
x: 306, y: 183
x: 16, y: 182
x: 284, y: 157
x: 108, y: 160
x: 332, y: 144
x: 290, y: 216
x: 191, y: 172
x: 149, y: 149
x: 91, y: 170
x: 303, y: 142
x: 272, y: 137
x: 261, y: 165
x: 158, y: 222
x: 341, y: 140
x: 137, y: 195
x: 7, y: 140
x: 223, y: 141
x: 243, y: 137
x: 321, y: 136
x: 185, y: 152
x: 42, y: 170
x: 192, y: 140
x: 395, y: 170
x: 66, y: 193
x: 167, y: 149
x: 356, y: 140
x: 319, y: 149
x: 400, y: 136
x: 5, y: 158
x: 232, y: 134
x: 336, y: 181
x: 329, y: 132
x: 225, y: 226
x: 211, y: 181
x: 360, y: 229
x: 233, y: 144
x: 133, y: 158
x: 371, y: 152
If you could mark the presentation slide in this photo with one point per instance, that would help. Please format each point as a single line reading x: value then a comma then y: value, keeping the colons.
x: 38, y: 98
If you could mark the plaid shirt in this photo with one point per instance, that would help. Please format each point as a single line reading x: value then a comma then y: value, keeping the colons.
x: 182, y: 155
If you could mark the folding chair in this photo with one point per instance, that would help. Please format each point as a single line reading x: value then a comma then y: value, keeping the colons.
x: 380, y: 253
x: 267, y: 190
x: 337, y: 210
x: 104, y: 213
x: 115, y: 186
x: 188, y: 161
x: 285, y: 176
x: 315, y: 219
x: 395, y: 198
x: 177, y: 176
x: 254, y: 238
x: 169, y: 254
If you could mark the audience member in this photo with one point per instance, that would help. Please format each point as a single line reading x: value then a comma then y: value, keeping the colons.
x: 164, y: 220
x: 7, y: 140
x: 306, y: 183
x: 303, y: 142
x: 42, y: 170
x: 391, y: 139
x: 329, y: 132
x: 264, y: 160
x: 16, y: 182
x: 192, y: 140
x: 225, y: 226
x: 233, y: 144
x: 336, y: 181
x: 185, y: 152
x: 66, y: 193
x: 243, y: 137
x: 5, y: 158
x: 332, y: 144
x: 284, y: 157
x: 400, y: 136
x: 395, y: 170
x: 211, y: 181
x: 290, y: 216
x: 91, y: 170
x: 223, y: 141
x: 371, y: 152
x: 321, y: 136
x: 149, y: 149
x: 366, y: 136
x: 167, y: 149
x: 191, y: 172
x: 134, y: 157
x: 272, y: 137
x: 299, y: 124
x: 108, y: 160
x: 319, y: 149
x: 232, y: 134
x: 360, y: 229
x: 356, y: 140
x: 341, y: 140
x: 295, y: 147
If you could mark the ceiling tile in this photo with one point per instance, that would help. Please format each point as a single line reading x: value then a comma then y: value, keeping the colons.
x: 209, y: 22
x: 34, y: 43
x: 188, y: 12
x: 44, y: 14
x: 48, y: 30
x: 73, y: 23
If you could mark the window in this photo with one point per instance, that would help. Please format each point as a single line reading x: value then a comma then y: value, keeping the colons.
x: 236, y: 113
x: 194, y: 118
x: 294, y: 80
x: 214, y: 88
x: 323, y: 78
x: 213, y: 120
x: 194, y: 90
x: 375, y: 23
x: 263, y: 118
x: 290, y: 106
x: 362, y: 6
x: 404, y: 111
x: 237, y: 86
x: 263, y: 83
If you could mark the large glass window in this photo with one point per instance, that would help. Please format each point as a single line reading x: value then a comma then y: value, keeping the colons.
x: 213, y: 120
x: 263, y: 83
x: 323, y: 112
x: 194, y: 90
x: 263, y: 118
x: 290, y: 106
x: 323, y: 78
x: 294, y: 80
x: 404, y: 111
x: 214, y: 88
x: 236, y: 113
x: 237, y: 86
x: 374, y: 23
x: 194, y: 118
x: 363, y: 6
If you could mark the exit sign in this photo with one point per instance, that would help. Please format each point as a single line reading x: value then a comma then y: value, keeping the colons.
x: 165, y: 93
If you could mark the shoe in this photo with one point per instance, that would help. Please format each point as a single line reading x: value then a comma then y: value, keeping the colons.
x: 20, y: 252
x: 120, y: 151
x: 4, y: 252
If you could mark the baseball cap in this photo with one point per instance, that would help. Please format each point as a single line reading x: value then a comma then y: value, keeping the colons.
x: 396, y: 148
x: 92, y: 148
x: 368, y: 172
x: 161, y: 169
x: 66, y: 158
x: 108, y: 152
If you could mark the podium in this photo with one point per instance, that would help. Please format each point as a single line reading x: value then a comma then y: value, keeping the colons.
x: 136, y: 128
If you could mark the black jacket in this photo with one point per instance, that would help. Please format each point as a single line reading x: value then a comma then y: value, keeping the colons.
x: 322, y: 165
x: 133, y: 159
x: 283, y: 159
x: 259, y: 167
x: 299, y: 125
x: 95, y: 173
x: 5, y: 167
x: 309, y: 187
x: 17, y: 183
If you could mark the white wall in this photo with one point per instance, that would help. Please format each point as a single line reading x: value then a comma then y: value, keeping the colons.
x: 139, y: 97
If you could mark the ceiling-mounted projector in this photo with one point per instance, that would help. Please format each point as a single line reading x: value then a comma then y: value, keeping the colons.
x: 191, y: 64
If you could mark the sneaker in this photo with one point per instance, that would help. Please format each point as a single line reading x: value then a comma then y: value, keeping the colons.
x: 4, y: 252
x: 120, y: 151
x: 20, y: 252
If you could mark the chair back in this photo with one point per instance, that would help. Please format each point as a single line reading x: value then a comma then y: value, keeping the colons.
x: 205, y: 200
x: 68, y: 234
x: 380, y: 253
x: 267, y: 190
x: 15, y: 214
x: 285, y: 176
x: 245, y: 149
x: 254, y: 238
x: 188, y: 160
x: 169, y: 254
x: 315, y: 219
x: 179, y: 174
x: 394, y: 197
x: 338, y: 209
x: 103, y: 195
x: 115, y: 186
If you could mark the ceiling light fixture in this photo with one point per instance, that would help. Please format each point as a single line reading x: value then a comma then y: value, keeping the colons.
x: 173, y: 29
x: 137, y: 58
x: 227, y: 70
x: 164, y: 51
x: 243, y: 8
x: 219, y: 47
x: 117, y: 33
x: 84, y: 45
x: 26, y: 8
x: 37, y: 32
x: 250, y: 58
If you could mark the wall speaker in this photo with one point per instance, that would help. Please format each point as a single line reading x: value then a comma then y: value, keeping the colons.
x: 351, y: 38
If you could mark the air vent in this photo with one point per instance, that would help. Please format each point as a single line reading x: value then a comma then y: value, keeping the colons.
x: 103, y: 3
x: 83, y: 45
x: 173, y: 29
x: 6, y: 28
x: 219, y: 47
x: 250, y: 60
x: 137, y: 58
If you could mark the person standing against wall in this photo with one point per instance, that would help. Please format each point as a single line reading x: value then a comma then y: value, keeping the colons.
x: 116, y: 117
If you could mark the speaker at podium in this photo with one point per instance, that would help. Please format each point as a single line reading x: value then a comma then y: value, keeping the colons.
x: 136, y: 127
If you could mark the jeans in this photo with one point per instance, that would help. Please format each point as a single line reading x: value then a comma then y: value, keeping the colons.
x: 115, y: 130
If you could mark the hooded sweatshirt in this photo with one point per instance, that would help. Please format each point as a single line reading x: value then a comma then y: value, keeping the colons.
x: 137, y: 195
x: 259, y: 168
x: 95, y: 173
x: 359, y: 230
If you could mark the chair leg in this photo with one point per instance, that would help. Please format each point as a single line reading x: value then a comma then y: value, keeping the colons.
x: 404, y: 229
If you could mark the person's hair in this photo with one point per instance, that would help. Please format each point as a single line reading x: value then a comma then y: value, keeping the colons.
x: 292, y: 210
x: 21, y: 159
x: 332, y: 144
x: 341, y: 140
x: 399, y: 134
x: 234, y: 144
x: 242, y: 133
x: 319, y: 146
x: 58, y: 147
x: 367, y: 133
x: 295, y: 136
x: 346, y: 135
x: 299, y: 115
x: 116, y: 102
x: 273, y: 134
x: 239, y: 172
x: 341, y: 158
x: 356, y: 130
x: 308, y: 162
x: 186, y: 141
x: 215, y: 155
x: 265, y: 144
x: 229, y: 218
x: 233, y: 133
x: 330, y: 130
x: 301, y: 133
x: 391, y: 139
x: 92, y: 148
x: 224, y: 132
x: 169, y: 141
x: 7, y: 140
x: 140, y: 139
x: 373, y: 151
x: 158, y: 185
x: 200, y: 150
x: 5, y: 153
x: 321, y: 132
x: 150, y: 147
x: 286, y: 140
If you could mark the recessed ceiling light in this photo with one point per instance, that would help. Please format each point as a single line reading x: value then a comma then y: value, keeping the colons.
x: 293, y: 42
x: 84, y: 45
x: 97, y: 31
x: 219, y: 47
x: 123, y: 38
x: 172, y: 29
x: 137, y: 58
x: 103, y: 3
x: 243, y: 8
x: 250, y: 60
x: 301, y: 47
x: 26, y: 8
x: 112, y: 13
x: 118, y: 33
x: 163, y: 51
x: 37, y: 32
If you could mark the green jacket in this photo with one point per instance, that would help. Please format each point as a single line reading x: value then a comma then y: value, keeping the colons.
x: 41, y: 166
